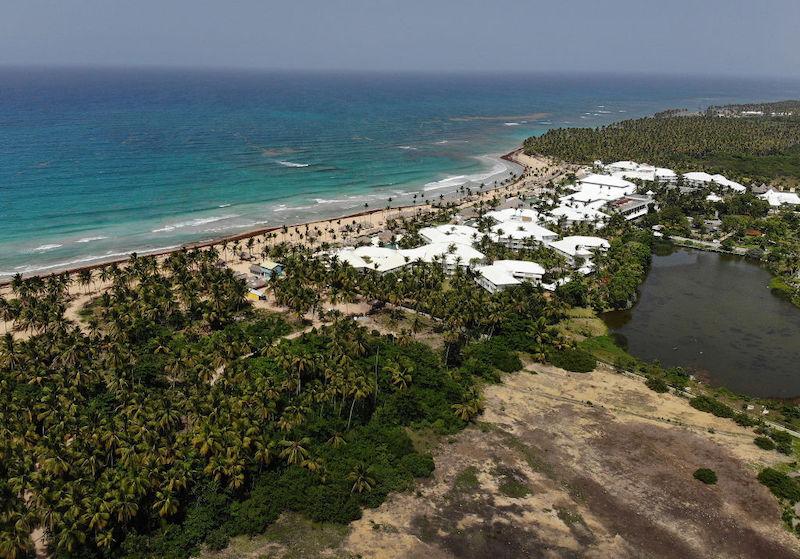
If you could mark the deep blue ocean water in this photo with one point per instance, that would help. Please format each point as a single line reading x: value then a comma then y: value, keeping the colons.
x: 98, y: 162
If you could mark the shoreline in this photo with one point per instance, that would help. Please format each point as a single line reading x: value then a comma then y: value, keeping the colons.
x: 396, y: 212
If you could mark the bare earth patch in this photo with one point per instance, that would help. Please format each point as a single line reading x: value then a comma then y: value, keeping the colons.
x: 596, y: 465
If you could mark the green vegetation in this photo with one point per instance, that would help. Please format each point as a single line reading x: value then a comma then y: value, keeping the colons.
x: 747, y: 228
x: 569, y: 517
x: 707, y: 476
x: 781, y: 485
x: 712, y: 406
x: 774, y: 439
x: 181, y: 418
x: 292, y: 536
x: 764, y: 443
x: 758, y: 148
x: 467, y: 480
x: 657, y: 384
x: 604, y: 348
x: 576, y: 360
x: 514, y: 489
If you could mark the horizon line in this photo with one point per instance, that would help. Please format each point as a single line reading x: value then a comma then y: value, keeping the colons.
x: 397, y: 72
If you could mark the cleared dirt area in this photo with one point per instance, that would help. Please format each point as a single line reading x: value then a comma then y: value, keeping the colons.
x: 571, y: 465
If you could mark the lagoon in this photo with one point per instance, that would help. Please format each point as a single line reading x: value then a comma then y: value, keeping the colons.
x: 715, y: 315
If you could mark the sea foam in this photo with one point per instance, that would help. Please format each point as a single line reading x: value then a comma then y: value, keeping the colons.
x: 293, y: 164
x: 498, y: 168
x: 45, y: 248
x: 27, y: 269
x: 193, y: 223
x: 90, y: 239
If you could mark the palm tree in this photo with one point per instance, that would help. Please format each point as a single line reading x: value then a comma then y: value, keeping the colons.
x: 295, y: 452
x: 362, y: 482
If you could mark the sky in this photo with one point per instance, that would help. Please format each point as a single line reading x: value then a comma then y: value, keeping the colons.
x: 738, y: 37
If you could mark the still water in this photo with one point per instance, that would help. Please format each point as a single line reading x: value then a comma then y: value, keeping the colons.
x: 714, y: 315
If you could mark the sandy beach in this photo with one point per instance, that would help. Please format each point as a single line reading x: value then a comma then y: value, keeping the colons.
x: 343, y: 230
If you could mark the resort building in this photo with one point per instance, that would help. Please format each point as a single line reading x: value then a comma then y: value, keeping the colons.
x: 519, y: 234
x: 700, y: 179
x: 577, y: 213
x: 266, y: 269
x: 631, y: 207
x: 580, y: 249
x: 450, y: 255
x: 613, y: 186
x: 255, y: 295
x: 776, y: 198
x: 494, y: 279
x: 513, y: 214
x: 369, y: 257
x: 503, y: 274
x: 462, y: 234
x: 631, y: 170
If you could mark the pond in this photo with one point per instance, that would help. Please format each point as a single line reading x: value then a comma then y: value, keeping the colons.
x: 714, y: 315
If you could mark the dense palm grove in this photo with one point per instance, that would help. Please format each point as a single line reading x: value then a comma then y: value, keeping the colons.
x: 757, y: 148
x: 175, y: 415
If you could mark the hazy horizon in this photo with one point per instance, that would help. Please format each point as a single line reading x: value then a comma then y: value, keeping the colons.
x: 719, y: 38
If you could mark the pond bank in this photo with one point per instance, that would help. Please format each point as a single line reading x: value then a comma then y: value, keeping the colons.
x: 715, y: 315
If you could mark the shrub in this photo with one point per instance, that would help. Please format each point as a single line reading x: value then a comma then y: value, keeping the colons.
x: 712, y: 406
x: 707, y: 476
x: 764, y: 443
x: 480, y: 369
x: 217, y: 540
x: 495, y: 352
x: 783, y: 441
x: 575, y: 360
x: 418, y: 465
x: 657, y: 385
x: 781, y: 485
x: 744, y: 420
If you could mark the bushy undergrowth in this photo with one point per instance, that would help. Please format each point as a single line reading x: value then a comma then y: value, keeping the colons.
x: 657, y: 384
x: 495, y: 352
x: 764, y: 443
x: 712, y: 406
x: 575, y: 360
x: 706, y: 475
x: 781, y: 485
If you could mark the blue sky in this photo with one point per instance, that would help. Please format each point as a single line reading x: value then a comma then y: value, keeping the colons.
x: 667, y: 36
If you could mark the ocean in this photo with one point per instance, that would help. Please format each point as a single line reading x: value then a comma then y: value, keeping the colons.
x: 96, y: 163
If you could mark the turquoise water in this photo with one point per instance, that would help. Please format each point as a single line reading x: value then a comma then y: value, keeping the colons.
x: 97, y: 163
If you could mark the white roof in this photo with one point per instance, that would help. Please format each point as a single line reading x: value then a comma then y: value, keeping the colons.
x: 777, y: 198
x: 624, y: 165
x: 698, y: 176
x: 520, y: 267
x: 579, y: 245
x: 522, y: 230
x: 516, y: 214
x: 371, y: 257
x: 451, y: 234
x: 580, y: 213
x: 503, y: 272
x: 713, y: 198
x: 607, y: 181
x: 723, y: 181
x: 593, y: 193
x: 497, y: 275
x: 647, y: 174
x: 451, y: 252
x: 553, y: 285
